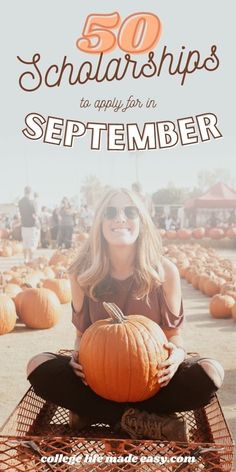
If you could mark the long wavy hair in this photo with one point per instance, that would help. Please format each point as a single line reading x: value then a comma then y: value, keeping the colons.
x: 92, y: 265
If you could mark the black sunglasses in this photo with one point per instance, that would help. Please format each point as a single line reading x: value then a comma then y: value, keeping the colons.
x: 130, y: 212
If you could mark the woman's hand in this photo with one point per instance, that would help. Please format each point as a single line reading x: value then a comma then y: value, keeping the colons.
x: 77, y: 368
x: 170, y: 366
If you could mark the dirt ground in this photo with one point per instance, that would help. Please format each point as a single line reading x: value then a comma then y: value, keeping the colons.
x: 214, y: 338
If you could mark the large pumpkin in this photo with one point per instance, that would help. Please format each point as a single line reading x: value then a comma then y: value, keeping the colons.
x: 61, y: 287
x: 216, y: 233
x: 7, y: 314
x: 184, y: 233
x: 120, y: 356
x: 198, y: 233
x: 38, y: 308
x: 221, y: 306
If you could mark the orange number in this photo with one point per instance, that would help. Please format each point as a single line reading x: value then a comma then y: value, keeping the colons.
x: 97, y: 37
x: 139, y: 32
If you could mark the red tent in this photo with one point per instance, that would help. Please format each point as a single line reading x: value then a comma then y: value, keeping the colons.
x: 218, y: 196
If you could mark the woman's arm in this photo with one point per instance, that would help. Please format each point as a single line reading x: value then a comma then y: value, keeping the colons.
x: 74, y: 362
x: 77, y: 293
x: 172, y: 286
x: 175, y: 345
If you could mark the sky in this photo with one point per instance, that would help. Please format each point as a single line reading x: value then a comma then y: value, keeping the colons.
x: 54, y: 171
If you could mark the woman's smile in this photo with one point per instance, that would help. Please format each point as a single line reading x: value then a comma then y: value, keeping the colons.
x: 120, y: 230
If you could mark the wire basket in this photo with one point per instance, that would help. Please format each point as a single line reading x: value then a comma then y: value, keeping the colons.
x: 37, y: 428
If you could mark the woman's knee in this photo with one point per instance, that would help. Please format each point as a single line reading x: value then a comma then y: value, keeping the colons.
x: 213, y: 369
x: 37, y: 360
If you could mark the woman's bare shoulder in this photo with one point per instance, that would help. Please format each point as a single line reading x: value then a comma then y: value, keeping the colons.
x: 169, y: 268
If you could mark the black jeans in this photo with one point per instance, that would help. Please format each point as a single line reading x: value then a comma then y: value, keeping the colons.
x: 64, y: 236
x: 54, y: 380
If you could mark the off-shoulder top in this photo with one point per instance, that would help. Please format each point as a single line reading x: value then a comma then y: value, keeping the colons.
x: 121, y: 293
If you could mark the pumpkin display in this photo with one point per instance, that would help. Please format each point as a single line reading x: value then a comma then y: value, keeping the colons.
x: 39, y: 308
x: 7, y: 314
x: 162, y: 232
x: 198, y: 233
x: 61, y: 287
x: 171, y: 234
x: 81, y: 237
x: 184, y: 233
x: 216, y: 233
x: 221, y: 306
x: 120, y: 356
x: 229, y: 289
x: 212, y: 286
x: 231, y: 233
x: 58, y: 258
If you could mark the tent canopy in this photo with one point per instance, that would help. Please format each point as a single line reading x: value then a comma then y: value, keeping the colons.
x: 218, y: 196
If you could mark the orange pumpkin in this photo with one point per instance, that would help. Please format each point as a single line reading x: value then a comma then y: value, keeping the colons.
x: 162, y: 232
x: 7, y: 314
x: 231, y: 233
x: 39, y: 308
x: 234, y: 312
x: 198, y: 233
x: 216, y: 233
x: 17, y: 301
x: 212, y: 286
x: 184, y: 233
x: 58, y: 258
x: 221, y: 306
x: 171, y: 234
x: 61, y: 287
x: 120, y: 356
x: 81, y: 237
x: 7, y: 250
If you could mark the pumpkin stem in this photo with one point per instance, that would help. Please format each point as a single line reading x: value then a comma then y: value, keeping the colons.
x: 115, y: 312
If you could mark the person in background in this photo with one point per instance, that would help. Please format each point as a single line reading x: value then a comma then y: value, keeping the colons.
x: 88, y: 215
x: 7, y: 222
x: 45, y: 227
x: 232, y: 219
x: 169, y: 223
x: 37, y: 216
x: 213, y: 221
x: 16, y: 228
x: 66, y: 224
x: 161, y: 221
x: 28, y: 224
x: 54, y: 226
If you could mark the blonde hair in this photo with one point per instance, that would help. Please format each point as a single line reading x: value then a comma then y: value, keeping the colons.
x: 92, y: 265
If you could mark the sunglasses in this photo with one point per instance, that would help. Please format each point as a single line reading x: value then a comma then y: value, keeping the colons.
x: 131, y: 212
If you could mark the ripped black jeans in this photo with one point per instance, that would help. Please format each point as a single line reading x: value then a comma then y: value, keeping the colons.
x: 54, y: 380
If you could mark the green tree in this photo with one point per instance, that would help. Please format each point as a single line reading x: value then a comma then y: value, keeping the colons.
x: 170, y: 195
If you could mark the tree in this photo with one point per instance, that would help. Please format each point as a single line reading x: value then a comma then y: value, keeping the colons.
x: 170, y: 195
x: 92, y: 190
x: 207, y: 179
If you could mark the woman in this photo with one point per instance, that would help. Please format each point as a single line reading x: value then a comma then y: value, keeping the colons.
x: 66, y: 224
x: 122, y: 262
